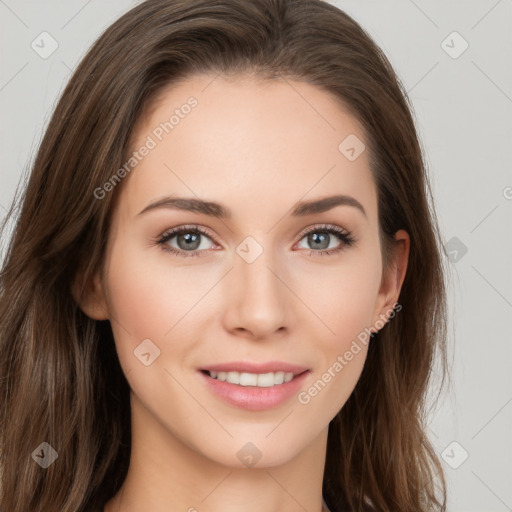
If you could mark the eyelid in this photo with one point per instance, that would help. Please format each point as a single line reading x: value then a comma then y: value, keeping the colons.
x: 319, y: 227
x: 191, y: 227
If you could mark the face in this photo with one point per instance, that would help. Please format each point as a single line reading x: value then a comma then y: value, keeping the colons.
x: 258, y: 288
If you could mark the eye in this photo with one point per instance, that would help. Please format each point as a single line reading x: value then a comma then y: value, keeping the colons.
x: 189, y: 240
x: 320, y: 237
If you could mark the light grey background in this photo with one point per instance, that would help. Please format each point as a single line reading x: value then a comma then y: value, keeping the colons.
x: 463, y: 107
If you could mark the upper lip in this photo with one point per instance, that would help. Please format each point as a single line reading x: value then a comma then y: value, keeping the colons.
x: 248, y: 367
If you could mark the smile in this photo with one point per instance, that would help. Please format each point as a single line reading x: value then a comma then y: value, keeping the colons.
x: 254, y: 391
x: 261, y: 380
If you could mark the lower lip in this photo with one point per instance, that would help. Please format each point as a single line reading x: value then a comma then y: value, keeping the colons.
x: 254, y: 398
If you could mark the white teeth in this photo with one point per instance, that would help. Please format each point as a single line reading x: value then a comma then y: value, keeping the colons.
x: 248, y: 379
x: 279, y: 377
x: 233, y: 377
x: 265, y: 380
x: 262, y: 380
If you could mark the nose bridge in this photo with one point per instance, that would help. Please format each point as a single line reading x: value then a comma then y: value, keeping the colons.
x: 259, y: 298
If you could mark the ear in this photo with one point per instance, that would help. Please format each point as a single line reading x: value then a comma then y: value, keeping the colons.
x: 392, y: 280
x: 90, y: 296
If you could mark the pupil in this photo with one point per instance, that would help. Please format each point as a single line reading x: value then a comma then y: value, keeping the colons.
x: 190, y: 240
x: 322, y: 239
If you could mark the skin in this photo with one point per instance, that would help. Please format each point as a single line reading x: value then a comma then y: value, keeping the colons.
x: 258, y: 148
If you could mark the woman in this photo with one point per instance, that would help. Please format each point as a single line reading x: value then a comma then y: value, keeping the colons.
x: 225, y: 288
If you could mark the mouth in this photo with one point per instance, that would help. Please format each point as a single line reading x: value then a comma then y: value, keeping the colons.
x: 260, y: 380
x: 254, y: 387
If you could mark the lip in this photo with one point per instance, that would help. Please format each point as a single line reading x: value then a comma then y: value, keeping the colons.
x: 248, y: 367
x: 254, y: 398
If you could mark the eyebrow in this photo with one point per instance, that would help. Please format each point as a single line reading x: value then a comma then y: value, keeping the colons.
x: 213, y: 209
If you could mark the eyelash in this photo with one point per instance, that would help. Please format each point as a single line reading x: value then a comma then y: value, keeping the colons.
x: 345, y: 236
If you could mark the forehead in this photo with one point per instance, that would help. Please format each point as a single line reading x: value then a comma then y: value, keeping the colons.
x: 248, y: 143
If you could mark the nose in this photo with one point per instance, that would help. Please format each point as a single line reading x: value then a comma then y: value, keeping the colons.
x: 258, y: 301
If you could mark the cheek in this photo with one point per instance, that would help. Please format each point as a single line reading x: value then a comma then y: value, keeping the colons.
x: 150, y: 297
x: 355, y: 304
x: 344, y: 299
x: 147, y: 295
x: 133, y: 300
x: 346, y: 304
x: 139, y: 311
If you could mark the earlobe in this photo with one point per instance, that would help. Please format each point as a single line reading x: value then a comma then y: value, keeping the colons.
x: 392, y: 281
x: 90, y: 297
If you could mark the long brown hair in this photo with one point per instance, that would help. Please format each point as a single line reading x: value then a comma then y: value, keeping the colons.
x: 60, y: 378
